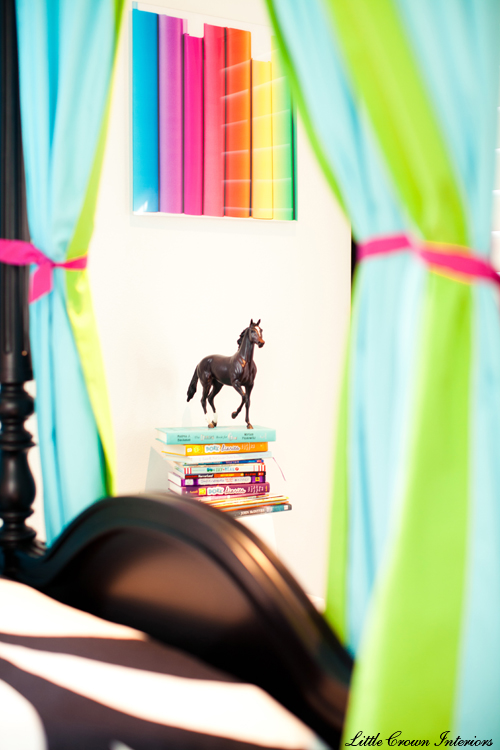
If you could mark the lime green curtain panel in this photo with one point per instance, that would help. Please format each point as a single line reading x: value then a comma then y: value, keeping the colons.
x: 66, y: 56
x: 414, y: 576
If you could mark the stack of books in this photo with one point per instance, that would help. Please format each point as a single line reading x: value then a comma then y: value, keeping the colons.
x: 224, y: 467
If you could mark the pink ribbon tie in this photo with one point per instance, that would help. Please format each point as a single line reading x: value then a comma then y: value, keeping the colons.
x: 454, y: 259
x: 20, y: 253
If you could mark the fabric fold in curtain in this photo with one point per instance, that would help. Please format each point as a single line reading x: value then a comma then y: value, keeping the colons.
x: 422, y: 563
x: 66, y: 56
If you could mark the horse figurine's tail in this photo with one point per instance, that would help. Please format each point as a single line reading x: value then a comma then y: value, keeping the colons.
x: 192, y: 385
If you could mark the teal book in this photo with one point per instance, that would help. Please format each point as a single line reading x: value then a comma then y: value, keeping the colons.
x: 259, y: 510
x: 145, y: 110
x: 206, y: 436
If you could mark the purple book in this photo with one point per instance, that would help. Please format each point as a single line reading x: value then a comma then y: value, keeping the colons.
x: 170, y: 95
x: 203, y: 481
x: 221, y: 490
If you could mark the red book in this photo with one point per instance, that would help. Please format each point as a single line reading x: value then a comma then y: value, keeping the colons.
x: 214, y: 57
x: 238, y: 123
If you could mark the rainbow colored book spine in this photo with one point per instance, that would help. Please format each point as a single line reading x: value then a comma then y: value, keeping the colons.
x: 171, y: 120
x: 193, y: 125
x: 214, y: 71
x: 145, y: 110
x: 238, y: 123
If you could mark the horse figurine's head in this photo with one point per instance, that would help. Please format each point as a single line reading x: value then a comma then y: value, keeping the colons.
x: 254, y: 332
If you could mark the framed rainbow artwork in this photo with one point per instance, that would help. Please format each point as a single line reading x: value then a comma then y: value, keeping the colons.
x: 213, y: 130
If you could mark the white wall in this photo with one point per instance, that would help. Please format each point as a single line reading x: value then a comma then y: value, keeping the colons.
x: 170, y: 290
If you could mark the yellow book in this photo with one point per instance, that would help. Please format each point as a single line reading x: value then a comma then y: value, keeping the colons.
x: 214, y: 449
x: 262, y: 141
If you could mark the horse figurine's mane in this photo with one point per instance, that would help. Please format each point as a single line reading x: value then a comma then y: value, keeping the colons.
x: 238, y: 371
x: 241, y: 336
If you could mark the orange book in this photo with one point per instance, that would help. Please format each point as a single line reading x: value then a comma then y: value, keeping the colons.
x: 214, y: 449
x: 238, y: 123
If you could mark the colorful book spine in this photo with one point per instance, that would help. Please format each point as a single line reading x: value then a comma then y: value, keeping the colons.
x: 227, y: 478
x: 238, y: 513
x: 193, y: 125
x: 214, y: 71
x: 196, y: 436
x: 170, y: 97
x: 221, y: 490
x: 226, y: 502
x: 218, y: 469
x: 211, y: 449
x: 145, y: 110
x: 283, y: 140
x: 238, y: 123
x: 208, y: 481
x: 261, y: 476
x: 262, y: 141
x: 215, y: 459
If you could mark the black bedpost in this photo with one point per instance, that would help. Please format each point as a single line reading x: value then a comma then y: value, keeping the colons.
x: 17, y: 487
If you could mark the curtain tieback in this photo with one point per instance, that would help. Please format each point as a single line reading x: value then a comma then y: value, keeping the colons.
x: 437, y: 255
x: 20, y: 253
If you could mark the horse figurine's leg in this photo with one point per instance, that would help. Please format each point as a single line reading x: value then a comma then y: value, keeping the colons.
x: 216, y: 387
x: 240, y: 407
x: 245, y: 399
x: 206, y: 388
x: 248, y: 389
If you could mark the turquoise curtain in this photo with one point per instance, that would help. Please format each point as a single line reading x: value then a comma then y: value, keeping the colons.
x: 381, y: 349
x: 66, y: 53
x: 415, y: 563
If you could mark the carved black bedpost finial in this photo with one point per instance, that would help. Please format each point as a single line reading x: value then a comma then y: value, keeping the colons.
x: 17, y: 487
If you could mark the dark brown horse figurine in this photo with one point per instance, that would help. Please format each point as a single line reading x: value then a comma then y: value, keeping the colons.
x: 239, y: 371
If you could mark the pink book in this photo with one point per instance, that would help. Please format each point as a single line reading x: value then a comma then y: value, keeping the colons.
x: 214, y: 55
x: 221, y: 490
x: 193, y: 125
x: 170, y: 94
